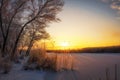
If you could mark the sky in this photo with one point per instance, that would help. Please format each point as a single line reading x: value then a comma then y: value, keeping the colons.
x: 87, y: 23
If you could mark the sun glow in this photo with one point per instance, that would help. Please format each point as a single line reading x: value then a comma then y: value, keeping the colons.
x: 85, y: 26
x: 64, y: 44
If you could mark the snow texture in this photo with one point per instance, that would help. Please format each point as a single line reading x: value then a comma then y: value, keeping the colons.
x: 87, y: 67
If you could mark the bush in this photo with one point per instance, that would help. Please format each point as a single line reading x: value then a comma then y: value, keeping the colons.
x: 36, y: 58
x: 52, y: 61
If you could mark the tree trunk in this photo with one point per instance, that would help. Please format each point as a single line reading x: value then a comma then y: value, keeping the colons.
x: 30, y: 46
x: 3, y: 47
x: 18, y: 37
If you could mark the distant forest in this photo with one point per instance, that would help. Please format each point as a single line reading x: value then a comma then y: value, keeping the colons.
x: 111, y: 49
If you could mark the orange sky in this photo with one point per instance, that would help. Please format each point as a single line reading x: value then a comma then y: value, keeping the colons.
x: 85, y: 26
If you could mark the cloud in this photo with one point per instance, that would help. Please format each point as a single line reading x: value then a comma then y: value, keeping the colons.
x: 115, y: 5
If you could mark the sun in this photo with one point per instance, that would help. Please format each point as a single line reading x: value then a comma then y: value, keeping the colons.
x: 64, y: 44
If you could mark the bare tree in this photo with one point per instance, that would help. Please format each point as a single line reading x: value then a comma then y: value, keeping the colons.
x: 24, y: 13
x: 9, y: 10
x: 35, y: 33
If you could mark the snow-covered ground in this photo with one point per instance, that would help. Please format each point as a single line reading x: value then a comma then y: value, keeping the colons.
x: 87, y: 67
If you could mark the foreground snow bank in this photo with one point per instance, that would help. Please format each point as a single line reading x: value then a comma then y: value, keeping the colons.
x: 17, y: 73
x: 88, y: 66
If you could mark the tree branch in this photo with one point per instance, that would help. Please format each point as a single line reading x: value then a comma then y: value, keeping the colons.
x: 9, y: 25
x: 1, y: 22
x: 17, y: 39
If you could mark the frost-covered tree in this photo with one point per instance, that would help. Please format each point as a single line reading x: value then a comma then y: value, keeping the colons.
x: 16, y: 16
